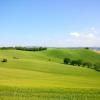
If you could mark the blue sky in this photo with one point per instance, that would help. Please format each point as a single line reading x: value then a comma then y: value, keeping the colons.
x: 54, y: 23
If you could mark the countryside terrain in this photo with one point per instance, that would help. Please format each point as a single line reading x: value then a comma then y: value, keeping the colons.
x: 42, y: 75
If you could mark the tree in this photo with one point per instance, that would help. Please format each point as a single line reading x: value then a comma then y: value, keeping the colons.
x: 87, y: 48
x: 31, y: 48
x: 88, y: 64
x: 73, y: 62
x: 79, y: 62
x: 97, y: 67
x: 67, y: 60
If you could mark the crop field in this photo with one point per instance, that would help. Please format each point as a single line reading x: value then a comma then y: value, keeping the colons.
x: 41, y: 75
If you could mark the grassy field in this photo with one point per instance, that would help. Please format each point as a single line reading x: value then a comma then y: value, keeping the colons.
x: 42, y: 76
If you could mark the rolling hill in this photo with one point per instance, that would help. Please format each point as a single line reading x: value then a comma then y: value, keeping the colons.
x: 43, y: 72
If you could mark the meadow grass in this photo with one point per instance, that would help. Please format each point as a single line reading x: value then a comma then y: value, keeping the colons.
x: 9, y: 93
x: 33, y: 77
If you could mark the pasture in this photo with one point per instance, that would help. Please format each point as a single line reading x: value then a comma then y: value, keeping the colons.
x: 41, y: 75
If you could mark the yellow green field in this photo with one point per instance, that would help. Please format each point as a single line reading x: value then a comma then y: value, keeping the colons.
x: 41, y: 75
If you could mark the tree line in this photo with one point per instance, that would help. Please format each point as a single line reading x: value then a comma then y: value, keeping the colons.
x: 79, y: 62
x: 31, y: 48
x: 25, y: 48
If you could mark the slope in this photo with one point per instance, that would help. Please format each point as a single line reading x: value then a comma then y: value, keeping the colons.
x: 31, y: 70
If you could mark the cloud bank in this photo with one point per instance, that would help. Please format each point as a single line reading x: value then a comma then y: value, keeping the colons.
x: 83, y: 39
x: 89, y: 38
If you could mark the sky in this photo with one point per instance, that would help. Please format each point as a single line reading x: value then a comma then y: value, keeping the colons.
x: 50, y: 23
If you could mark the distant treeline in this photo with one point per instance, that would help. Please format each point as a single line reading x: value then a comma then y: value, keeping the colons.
x: 31, y: 48
x: 25, y: 48
x: 5, y: 48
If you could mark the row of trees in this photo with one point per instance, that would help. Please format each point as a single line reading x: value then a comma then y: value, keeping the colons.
x: 31, y: 48
x: 6, y: 48
x: 79, y: 62
x: 25, y: 48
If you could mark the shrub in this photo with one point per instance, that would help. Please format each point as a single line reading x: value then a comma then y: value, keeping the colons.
x: 88, y: 64
x: 4, y: 60
x: 67, y: 60
x: 97, y: 67
x: 87, y: 48
x: 73, y: 62
x: 79, y: 62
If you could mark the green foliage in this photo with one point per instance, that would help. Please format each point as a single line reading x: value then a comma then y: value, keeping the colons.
x: 24, y: 48
x: 4, y: 60
x: 97, y: 66
x: 66, y: 60
x: 6, y: 48
x: 76, y: 62
x: 88, y: 64
x: 31, y: 48
x: 73, y: 62
x: 87, y: 48
x: 79, y: 62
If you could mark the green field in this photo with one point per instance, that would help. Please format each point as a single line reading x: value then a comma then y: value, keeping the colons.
x: 41, y: 75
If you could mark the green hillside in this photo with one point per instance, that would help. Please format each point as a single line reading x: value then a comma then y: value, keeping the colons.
x: 55, y: 55
x: 37, y: 75
x: 84, y: 54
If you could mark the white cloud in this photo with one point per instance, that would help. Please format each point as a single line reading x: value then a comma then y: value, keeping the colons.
x: 76, y: 34
x: 90, y: 35
x: 76, y: 39
x: 90, y: 38
x: 82, y: 35
x: 93, y: 30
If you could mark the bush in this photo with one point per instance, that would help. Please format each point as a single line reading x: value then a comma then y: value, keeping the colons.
x: 97, y: 67
x: 73, y: 62
x: 67, y: 60
x: 87, y: 48
x: 4, y: 60
x: 79, y: 62
x: 88, y: 64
